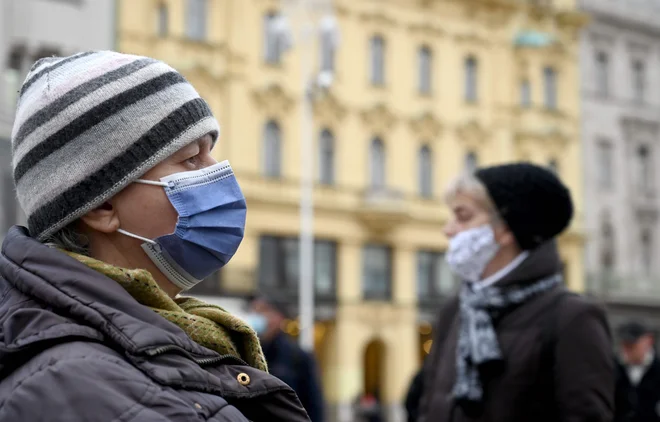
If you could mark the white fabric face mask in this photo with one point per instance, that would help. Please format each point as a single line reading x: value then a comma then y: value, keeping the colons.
x: 470, y: 251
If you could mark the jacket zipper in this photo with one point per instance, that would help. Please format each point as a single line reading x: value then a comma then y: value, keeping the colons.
x: 157, y: 351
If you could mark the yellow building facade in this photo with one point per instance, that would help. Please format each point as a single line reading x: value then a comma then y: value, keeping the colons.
x: 422, y: 89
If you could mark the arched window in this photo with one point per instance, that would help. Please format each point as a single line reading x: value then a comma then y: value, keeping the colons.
x: 471, y: 79
x: 645, y: 166
x: 525, y: 94
x: 329, y: 39
x: 647, y: 252
x: 602, y: 73
x: 377, y: 163
x: 162, y: 24
x: 196, y: 19
x: 425, y: 172
x: 377, y: 47
x: 608, y: 247
x: 425, y: 64
x: 471, y: 161
x: 272, y: 150
x: 275, y: 38
x: 326, y: 157
x: 550, y: 86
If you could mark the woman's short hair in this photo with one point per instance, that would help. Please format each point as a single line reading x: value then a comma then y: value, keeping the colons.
x: 468, y: 184
x: 69, y: 239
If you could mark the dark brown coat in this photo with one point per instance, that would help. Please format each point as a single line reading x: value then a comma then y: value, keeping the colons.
x: 583, y: 381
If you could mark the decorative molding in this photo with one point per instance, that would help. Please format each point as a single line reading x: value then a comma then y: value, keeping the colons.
x: 636, y: 129
x: 379, y: 118
x: 472, y: 133
x: 328, y: 110
x: 426, y: 126
x: 552, y: 139
x: 378, y: 18
x: 273, y: 100
x: 471, y: 38
x: 638, y: 50
x: 426, y: 29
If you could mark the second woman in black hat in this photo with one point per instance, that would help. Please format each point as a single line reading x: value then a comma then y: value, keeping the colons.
x: 514, y: 345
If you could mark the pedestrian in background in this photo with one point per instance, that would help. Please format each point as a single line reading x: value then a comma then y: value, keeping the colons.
x: 514, y: 346
x: 126, y: 209
x: 286, y: 359
x: 638, y: 381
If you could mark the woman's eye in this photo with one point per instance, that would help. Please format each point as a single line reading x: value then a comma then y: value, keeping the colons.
x: 193, y: 161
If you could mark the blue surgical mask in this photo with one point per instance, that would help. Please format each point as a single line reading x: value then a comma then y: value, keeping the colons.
x: 258, y: 322
x: 210, y: 227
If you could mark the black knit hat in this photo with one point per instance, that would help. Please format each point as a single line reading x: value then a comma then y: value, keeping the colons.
x: 531, y: 199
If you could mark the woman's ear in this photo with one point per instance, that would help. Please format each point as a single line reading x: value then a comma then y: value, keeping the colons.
x: 104, y: 219
x: 504, y: 236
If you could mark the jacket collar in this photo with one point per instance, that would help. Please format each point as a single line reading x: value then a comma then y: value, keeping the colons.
x: 541, y: 262
x: 65, y: 298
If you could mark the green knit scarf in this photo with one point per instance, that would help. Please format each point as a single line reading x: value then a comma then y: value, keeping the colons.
x: 207, y: 325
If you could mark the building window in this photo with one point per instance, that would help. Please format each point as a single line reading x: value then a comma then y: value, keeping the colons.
x: 329, y: 41
x: 279, y: 270
x: 647, y: 252
x: 608, y: 247
x: 553, y: 166
x: 425, y: 172
x: 12, y: 76
x: 434, y: 278
x: 471, y: 79
x: 272, y: 158
x: 605, y: 165
x: 196, y: 19
x: 425, y: 59
x: 377, y: 163
x: 377, y: 47
x: 645, y: 169
x: 162, y: 23
x: 525, y: 94
x: 275, y: 38
x: 377, y: 272
x: 602, y: 74
x: 471, y: 162
x: 639, y: 80
x: 326, y: 157
x: 550, y: 85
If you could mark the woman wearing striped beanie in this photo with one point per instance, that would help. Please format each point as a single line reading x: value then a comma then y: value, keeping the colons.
x: 126, y: 209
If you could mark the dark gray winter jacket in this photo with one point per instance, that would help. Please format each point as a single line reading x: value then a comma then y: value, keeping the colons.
x: 75, y: 346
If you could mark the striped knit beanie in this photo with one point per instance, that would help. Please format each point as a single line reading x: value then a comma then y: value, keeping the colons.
x: 90, y: 124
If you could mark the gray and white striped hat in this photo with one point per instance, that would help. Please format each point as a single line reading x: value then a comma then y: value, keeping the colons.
x: 90, y: 124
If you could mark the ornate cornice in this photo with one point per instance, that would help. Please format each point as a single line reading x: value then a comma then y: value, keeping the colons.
x: 471, y: 38
x: 379, y: 118
x: 472, y: 133
x: 553, y: 140
x: 425, y: 126
x: 328, y: 110
x: 378, y: 18
x: 426, y: 29
x: 273, y: 100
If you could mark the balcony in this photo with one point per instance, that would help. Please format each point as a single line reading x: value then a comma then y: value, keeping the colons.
x: 616, y: 288
x: 382, y: 209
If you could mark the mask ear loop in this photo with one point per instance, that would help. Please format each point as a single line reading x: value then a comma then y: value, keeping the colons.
x: 135, y: 236
x: 151, y: 182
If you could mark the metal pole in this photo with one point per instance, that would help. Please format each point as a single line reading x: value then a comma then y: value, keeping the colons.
x: 306, y: 288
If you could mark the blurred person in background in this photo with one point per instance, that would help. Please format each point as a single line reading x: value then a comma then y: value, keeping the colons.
x: 286, y: 359
x: 414, y: 396
x: 514, y: 345
x: 127, y: 208
x: 638, y: 381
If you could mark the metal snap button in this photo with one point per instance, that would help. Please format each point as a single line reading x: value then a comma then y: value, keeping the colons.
x: 243, y: 378
x: 198, y: 406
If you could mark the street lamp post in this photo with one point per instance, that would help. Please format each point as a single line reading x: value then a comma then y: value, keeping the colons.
x: 303, y: 16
